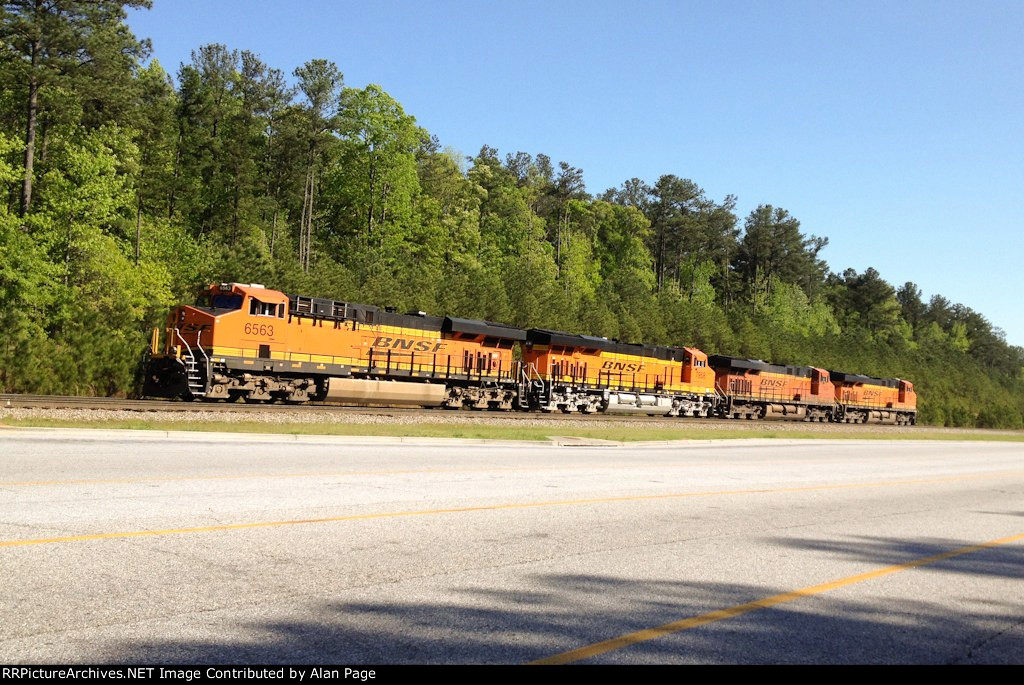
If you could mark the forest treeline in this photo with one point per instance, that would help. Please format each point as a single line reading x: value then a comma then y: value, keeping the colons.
x: 124, y: 190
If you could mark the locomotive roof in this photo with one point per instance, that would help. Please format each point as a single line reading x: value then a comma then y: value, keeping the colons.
x: 415, y: 320
x: 721, y: 361
x: 450, y: 324
x: 841, y: 377
x: 478, y: 327
x: 541, y: 336
x: 318, y: 307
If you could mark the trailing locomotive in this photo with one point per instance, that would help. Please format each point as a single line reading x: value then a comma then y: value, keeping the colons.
x: 860, y: 399
x: 588, y: 374
x: 244, y: 341
x: 754, y: 389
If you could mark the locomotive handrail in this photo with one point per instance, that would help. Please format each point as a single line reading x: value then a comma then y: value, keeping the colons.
x: 199, y: 344
x: 185, y: 343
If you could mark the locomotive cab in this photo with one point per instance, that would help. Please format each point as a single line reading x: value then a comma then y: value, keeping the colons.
x: 821, y: 384
x: 907, y: 396
x: 217, y: 313
x: 231, y: 297
x: 225, y: 314
x: 696, y: 369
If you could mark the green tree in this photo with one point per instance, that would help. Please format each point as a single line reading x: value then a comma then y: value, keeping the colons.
x: 156, y: 141
x: 27, y: 293
x: 58, y: 47
x: 773, y: 250
x: 376, y: 178
x: 674, y: 203
x: 788, y: 308
x: 320, y: 83
x: 912, y: 306
x: 867, y: 300
x: 206, y: 101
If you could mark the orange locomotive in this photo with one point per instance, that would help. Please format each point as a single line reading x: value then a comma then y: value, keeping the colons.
x: 250, y: 342
x: 246, y: 341
x: 588, y: 374
x: 754, y: 389
x: 860, y: 399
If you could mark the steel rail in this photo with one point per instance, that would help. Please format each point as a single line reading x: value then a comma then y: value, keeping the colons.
x: 12, y: 401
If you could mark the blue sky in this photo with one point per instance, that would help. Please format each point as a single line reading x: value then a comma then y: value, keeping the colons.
x: 894, y: 128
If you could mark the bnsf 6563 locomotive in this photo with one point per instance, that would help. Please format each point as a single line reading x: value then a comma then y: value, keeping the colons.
x: 248, y: 342
x: 245, y: 341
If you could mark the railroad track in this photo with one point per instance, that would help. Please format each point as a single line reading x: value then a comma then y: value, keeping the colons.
x: 239, y: 409
x: 118, y: 404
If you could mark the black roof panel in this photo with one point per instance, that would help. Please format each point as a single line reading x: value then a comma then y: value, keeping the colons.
x: 541, y: 336
x: 414, y: 321
x: 842, y: 377
x: 721, y: 361
x: 486, y: 328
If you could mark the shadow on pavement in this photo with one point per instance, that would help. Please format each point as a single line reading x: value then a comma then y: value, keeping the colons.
x: 564, y: 612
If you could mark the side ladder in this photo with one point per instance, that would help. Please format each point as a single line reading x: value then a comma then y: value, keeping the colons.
x: 196, y: 382
x: 533, y: 391
x: 195, y: 377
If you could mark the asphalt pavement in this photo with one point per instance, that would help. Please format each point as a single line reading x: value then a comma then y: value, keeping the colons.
x: 135, y: 547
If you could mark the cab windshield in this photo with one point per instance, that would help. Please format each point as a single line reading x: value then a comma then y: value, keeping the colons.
x: 227, y: 301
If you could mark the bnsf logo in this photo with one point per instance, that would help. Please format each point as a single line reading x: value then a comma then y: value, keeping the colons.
x: 872, y: 394
x: 772, y: 383
x: 405, y: 344
x: 622, y: 366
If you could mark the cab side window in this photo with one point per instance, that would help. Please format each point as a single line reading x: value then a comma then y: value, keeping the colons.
x: 257, y: 308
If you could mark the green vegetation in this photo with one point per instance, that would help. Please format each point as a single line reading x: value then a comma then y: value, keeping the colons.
x: 496, y: 432
x: 124, y: 191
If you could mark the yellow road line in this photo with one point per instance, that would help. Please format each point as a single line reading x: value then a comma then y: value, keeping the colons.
x: 496, y: 507
x: 741, y: 609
